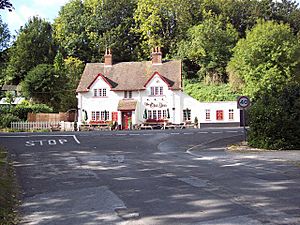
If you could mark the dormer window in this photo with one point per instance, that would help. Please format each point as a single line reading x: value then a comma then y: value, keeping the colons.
x: 157, y: 91
x: 101, y: 92
x: 127, y: 94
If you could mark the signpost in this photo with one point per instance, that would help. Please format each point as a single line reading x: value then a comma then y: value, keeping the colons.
x: 243, y: 102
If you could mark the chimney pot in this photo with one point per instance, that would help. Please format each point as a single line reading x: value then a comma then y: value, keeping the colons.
x: 156, y: 56
x: 108, y: 57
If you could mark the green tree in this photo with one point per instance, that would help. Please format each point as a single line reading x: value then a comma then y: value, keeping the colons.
x: 4, y: 36
x: 267, y: 57
x: 44, y: 85
x: 274, y: 119
x: 34, y: 45
x: 5, y: 4
x: 210, y: 45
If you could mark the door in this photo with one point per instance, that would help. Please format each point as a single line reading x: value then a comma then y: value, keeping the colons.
x: 126, y: 120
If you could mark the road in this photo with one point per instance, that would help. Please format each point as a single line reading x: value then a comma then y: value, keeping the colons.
x: 152, y: 178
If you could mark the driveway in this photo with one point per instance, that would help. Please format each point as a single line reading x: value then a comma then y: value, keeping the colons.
x: 152, y: 177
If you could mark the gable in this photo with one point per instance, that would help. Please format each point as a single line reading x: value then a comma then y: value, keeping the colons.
x: 99, y: 82
x: 156, y: 80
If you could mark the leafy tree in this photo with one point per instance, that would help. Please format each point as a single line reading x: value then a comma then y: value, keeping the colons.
x: 4, y: 36
x: 34, y: 45
x: 5, y: 4
x: 274, y: 119
x: 268, y: 57
x: 43, y: 85
x: 209, y: 45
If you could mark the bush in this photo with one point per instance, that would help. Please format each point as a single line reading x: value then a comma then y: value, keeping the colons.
x: 274, y: 119
x: 6, y: 119
x: 25, y: 107
x: 209, y: 93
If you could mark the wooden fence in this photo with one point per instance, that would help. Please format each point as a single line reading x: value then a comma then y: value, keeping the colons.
x: 34, y: 125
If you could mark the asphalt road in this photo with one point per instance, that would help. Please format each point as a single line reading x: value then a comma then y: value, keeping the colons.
x: 153, y: 178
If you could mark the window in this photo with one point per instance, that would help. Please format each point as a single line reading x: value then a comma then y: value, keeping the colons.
x: 127, y: 94
x: 157, y: 91
x: 219, y: 115
x: 149, y: 114
x: 186, y: 114
x: 154, y: 114
x: 161, y: 91
x: 101, y: 92
x: 164, y: 113
x: 207, y: 114
x: 100, y: 115
x: 152, y: 90
x: 159, y: 114
x: 231, y: 114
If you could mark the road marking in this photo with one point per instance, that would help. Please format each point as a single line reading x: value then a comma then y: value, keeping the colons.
x: 121, y: 134
x: 134, y: 134
x: 203, y: 132
x: 175, y: 133
x: 188, y: 133
x: 147, y: 134
x: 231, y: 131
x: 216, y: 132
x: 43, y: 135
x: 107, y: 134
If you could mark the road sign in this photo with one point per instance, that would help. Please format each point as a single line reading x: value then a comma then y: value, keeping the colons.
x: 243, y: 102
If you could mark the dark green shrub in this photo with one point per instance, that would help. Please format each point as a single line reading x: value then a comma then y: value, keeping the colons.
x: 23, y: 109
x: 274, y: 119
x: 6, y: 119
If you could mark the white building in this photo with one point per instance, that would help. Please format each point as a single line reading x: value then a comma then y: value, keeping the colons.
x: 139, y: 92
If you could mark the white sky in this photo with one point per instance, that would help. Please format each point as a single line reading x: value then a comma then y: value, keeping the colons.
x: 24, y: 9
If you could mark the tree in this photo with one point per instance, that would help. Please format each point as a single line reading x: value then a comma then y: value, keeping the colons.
x: 34, y: 46
x: 5, y: 4
x: 268, y: 57
x: 43, y: 85
x: 210, y: 45
x: 274, y: 118
x: 4, y: 36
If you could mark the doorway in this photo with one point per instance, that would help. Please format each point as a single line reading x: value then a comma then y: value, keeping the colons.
x: 126, y: 120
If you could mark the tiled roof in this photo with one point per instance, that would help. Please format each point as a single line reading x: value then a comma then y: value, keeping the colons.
x: 127, y: 104
x: 131, y: 75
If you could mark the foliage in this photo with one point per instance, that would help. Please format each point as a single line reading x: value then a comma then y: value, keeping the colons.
x: 26, y: 107
x: 34, y: 45
x: 8, y: 191
x: 4, y: 35
x: 209, y: 45
x: 6, y: 119
x: 44, y: 85
x: 267, y: 58
x: 274, y: 119
x: 209, y: 93
x: 5, y: 4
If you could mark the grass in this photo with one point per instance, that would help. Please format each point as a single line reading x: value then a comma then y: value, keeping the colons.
x: 8, y: 191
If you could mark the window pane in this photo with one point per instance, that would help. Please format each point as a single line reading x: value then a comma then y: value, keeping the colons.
x: 207, y: 114
x: 104, y: 92
x: 161, y: 91
x: 158, y: 114
x: 156, y: 91
x: 130, y: 94
x: 152, y: 90
x: 93, y: 115
x: 95, y: 92
x: 164, y: 113
x: 125, y: 94
x: 154, y: 114
x: 149, y: 114
x: 231, y: 114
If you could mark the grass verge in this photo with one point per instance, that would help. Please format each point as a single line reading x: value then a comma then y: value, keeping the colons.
x: 8, y: 191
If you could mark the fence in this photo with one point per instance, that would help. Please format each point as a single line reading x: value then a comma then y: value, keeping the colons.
x: 33, y: 125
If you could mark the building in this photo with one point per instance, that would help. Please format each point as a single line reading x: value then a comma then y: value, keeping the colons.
x: 138, y: 92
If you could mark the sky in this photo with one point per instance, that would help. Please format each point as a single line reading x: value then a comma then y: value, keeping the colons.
x: 24, y: 9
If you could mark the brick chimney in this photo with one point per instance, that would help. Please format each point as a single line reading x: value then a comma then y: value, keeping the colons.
x: 108, y: 58
x: 156, y: 56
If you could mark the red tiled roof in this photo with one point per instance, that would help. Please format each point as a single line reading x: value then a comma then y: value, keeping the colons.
x: 131, y: 75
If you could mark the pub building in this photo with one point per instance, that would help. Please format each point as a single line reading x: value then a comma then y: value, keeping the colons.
x: 133, y: 94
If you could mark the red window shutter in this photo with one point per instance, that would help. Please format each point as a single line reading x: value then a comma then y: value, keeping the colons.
x: 115, y: 116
